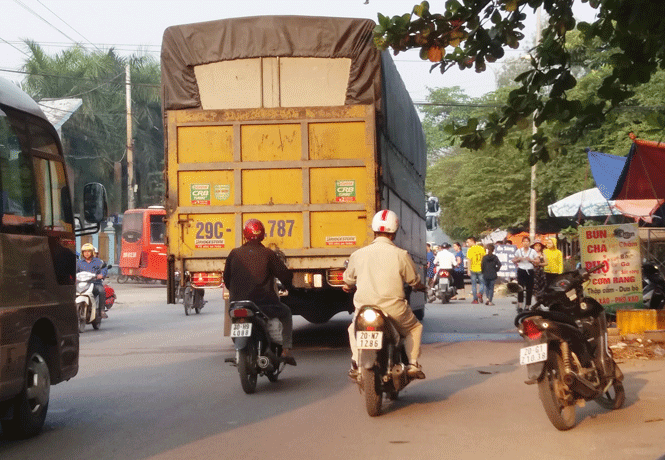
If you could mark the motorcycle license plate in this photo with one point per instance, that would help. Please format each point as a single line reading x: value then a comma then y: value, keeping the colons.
x: 241, y: 329
x: 533, y: 354
x: 369, y: 340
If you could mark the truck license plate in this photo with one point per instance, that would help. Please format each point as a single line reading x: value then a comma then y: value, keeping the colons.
x: 241, y: 329
x: 533, y: 354
x: 369, y: 340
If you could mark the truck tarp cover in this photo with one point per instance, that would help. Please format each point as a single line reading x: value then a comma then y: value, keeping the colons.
x: 190, y: 45
x: 372, y: 74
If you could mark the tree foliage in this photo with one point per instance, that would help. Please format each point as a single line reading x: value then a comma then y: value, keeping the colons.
x: 95, y: 136
x: 470, y: 33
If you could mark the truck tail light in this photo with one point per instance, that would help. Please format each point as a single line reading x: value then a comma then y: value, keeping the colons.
x: 336, y: 277
x: 207, y: 279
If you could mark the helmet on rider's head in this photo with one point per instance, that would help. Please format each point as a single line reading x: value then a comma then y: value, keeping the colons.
x: 254, y: 230
x: 88, y: 247
x: 385, y: 221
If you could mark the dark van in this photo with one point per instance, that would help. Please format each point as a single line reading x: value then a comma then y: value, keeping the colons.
x: 39, y: 341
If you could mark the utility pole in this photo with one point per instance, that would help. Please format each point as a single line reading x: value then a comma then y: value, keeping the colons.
x: 532, y: 207
x: 130, y: 144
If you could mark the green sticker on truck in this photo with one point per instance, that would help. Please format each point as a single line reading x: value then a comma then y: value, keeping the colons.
x: 200, y: 194
x: 345, y: 190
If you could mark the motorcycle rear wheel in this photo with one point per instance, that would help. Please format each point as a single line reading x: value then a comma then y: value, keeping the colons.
x: 247, y: 367
x: 560, y: 413
x: 188, y: 300
x: 613, y: 398
x: 372, y: 391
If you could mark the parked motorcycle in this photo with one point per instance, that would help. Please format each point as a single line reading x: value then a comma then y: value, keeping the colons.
x: 653, y: 287
x: 192, y: 299
x: 382, y: 358
x: 443, y: 288
x: 567, y: 353
x: 258, y: 343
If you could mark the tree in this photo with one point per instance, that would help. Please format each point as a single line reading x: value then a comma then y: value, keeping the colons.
x: 95, y: 136
x: 470, y: 33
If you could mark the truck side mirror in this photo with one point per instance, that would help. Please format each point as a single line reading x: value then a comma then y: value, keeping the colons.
x: 95, y: 208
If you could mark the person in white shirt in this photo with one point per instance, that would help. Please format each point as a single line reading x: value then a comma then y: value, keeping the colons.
x: 524, y: 258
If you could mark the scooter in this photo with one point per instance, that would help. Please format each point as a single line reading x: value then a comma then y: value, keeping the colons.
x: 86, y: 301
x: 258, y: 344
x: 382, y: 359
x: 443, y: 288
x: 653, y: 287
x: 567, y: 354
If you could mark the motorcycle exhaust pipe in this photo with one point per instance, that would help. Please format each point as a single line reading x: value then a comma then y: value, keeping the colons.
x: 263, y: 362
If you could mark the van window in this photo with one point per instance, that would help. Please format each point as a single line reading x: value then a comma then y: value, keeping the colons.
x: 132, y: 227
x: 157, y: 229
x: 54, y: 195
x: 17, y: 206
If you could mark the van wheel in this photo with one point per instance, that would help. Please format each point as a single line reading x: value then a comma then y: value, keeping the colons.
x: 31, y: 405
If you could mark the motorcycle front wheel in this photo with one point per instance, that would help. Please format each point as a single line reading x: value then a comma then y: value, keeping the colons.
x: 81, y: 313
x: 560, y: 413
x: 372, y: 391
x: 247, y: 367
x: 188, y: 300
x: 122, y: 279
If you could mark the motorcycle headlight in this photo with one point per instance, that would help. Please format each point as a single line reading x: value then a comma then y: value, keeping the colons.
x: 370, y: 316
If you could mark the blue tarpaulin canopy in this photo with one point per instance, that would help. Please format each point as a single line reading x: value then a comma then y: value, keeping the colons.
x: 606, y: 170
x: 639, y: 176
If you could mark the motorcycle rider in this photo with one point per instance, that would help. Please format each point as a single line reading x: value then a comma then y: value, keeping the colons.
x: 89, y: 263
x: 249, y: 274
x: 378, y: 272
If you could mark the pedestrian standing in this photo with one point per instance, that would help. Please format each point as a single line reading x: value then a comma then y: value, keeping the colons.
x: 475, y: 255
x: 539, y: 263
x: 524, y: 258
x: 458, y: 270
x: 430, y: 264
x: 490, y: 268
x: 554, y: 258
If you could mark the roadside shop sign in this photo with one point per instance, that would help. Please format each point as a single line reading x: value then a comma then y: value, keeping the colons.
x: 618, y: 285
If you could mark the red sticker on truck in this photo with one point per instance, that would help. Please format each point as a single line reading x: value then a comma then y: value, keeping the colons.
x: 340, y: 240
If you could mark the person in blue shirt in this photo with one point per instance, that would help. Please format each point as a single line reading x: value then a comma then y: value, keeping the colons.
x: 89, y: 263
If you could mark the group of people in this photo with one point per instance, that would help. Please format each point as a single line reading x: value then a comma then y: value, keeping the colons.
x: 537, y: 266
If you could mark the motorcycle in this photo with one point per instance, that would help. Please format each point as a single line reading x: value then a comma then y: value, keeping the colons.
x: 86, y: 301
x: 653, y: 287
x: 567, y: 353
x: 258, y: 344
x: 382, y: 358
x: 110, y: 297
x: 192, y: 299
x: 443, y: 288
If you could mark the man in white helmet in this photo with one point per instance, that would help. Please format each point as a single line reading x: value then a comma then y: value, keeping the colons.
x: 378, y: 272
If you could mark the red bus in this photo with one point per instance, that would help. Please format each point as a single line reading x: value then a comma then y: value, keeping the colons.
x: 143, y: 251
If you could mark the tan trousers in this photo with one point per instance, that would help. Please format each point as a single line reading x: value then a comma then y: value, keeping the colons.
x: 407, y: 325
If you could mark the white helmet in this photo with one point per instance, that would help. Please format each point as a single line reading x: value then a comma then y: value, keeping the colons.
x: 385, y: 221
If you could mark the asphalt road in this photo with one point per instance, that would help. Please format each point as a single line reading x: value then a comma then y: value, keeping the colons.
x: 153, y: 384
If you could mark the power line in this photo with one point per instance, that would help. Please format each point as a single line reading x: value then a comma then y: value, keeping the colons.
x: 19, y: 2
x: 16, y: 48
x: 53, y: 13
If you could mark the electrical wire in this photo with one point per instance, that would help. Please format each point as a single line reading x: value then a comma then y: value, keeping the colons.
x: 53, y: 13
x: 20, y: 3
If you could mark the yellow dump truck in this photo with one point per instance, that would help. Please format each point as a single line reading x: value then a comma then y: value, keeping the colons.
x: 299, y: 122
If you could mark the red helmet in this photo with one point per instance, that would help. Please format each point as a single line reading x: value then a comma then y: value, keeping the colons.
x: 254, y: 230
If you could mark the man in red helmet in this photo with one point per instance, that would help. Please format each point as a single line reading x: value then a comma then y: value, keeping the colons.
x: 249, y: 274
x: 379, y: 272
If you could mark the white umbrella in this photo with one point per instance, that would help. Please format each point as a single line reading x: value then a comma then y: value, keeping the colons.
x: 590, y: 203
